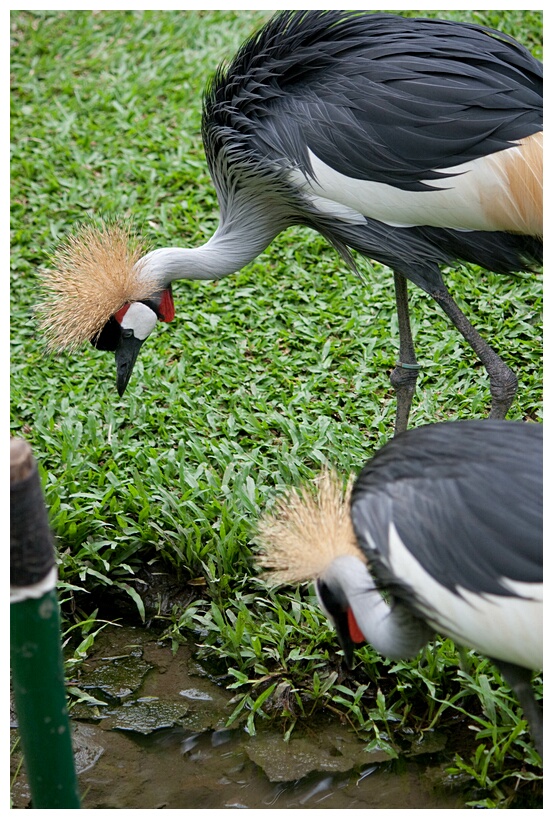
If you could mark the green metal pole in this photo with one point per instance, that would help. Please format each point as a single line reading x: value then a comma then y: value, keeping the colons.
x: 36, y: 654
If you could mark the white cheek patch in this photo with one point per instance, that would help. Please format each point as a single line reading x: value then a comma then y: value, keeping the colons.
x: 139, y: 318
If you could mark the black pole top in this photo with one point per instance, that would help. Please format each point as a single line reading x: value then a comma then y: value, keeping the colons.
x: 31, y: 544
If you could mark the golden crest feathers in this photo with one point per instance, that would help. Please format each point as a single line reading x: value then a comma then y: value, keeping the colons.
x: 94, y: 273
x: 306, y: 530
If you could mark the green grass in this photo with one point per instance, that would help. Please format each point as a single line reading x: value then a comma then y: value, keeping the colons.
x: 261, y: 379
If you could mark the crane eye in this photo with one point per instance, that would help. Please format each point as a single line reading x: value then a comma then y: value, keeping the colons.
x: 126, y: 332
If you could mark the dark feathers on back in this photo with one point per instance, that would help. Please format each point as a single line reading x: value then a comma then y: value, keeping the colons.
x: 377, y: 97
x: 466, y: 499
x: 425, y: 94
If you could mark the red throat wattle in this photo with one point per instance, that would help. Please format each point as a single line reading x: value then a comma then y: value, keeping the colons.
x: 166, y: 306
x: 354, y: 631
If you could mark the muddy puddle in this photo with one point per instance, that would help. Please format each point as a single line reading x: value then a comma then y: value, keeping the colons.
x: 159, y: 740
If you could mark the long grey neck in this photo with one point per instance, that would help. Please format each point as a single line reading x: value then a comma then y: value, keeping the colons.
x: 393, y: 631
x: 221, y: 255
x: 249, y: 224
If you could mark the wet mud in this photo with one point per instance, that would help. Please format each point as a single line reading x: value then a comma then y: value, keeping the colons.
x: 153, y: 733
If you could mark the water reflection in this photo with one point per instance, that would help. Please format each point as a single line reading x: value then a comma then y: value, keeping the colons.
x: 157, y: 738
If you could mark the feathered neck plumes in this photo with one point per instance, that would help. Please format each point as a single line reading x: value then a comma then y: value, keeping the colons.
x: 93, y: 274
x: 306, y: 530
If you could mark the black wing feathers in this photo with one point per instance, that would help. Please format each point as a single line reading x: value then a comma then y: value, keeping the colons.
x: 378, y: 97
x: 426, y: 94
x: 465, y: 498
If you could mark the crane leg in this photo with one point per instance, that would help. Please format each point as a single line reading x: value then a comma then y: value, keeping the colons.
x: 520, y: 680
x: 503, y: 381
x: 403, y: 377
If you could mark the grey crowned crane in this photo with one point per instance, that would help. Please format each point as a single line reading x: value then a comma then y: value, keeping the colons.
x: 414, y: 142
x: 447, y: 520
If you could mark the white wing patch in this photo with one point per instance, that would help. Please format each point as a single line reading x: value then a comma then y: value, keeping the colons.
x: 331, y: 208
x: 461, y: 201
x: 502, y: 627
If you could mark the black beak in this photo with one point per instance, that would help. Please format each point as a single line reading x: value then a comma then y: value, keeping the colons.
x: 340, y: 622
x: 126, y: 354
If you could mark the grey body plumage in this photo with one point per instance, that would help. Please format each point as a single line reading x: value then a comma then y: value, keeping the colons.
x: 440, y: 533
x: 416, y: 143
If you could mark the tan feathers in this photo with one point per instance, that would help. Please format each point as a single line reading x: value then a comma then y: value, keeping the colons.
x: 520, y: 208
x: 94, y: 273
x: 307, y: 529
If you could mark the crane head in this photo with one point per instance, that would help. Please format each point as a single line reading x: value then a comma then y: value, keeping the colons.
x: 127, y: 329
x: 100, y: 288
x: 309, y: 536
x: 306, y: 530
x: 335, y: 604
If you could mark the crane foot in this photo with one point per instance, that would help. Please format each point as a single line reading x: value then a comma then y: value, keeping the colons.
x: 503, y: 388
